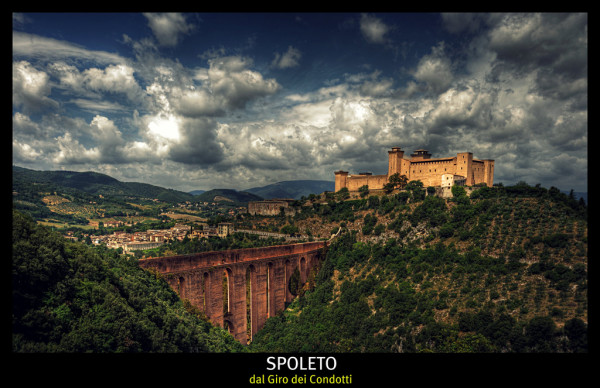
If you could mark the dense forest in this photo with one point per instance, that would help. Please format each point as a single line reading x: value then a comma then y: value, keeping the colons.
x: 504, y: 270
x: 68, y: 297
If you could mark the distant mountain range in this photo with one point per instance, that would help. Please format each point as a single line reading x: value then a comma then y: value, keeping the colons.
x: 292, y: 189
x: 95, y: 183
x: 285, y: 189
x: 92, y: 183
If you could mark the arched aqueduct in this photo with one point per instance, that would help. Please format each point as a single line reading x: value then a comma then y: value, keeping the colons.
x: 239, y: 289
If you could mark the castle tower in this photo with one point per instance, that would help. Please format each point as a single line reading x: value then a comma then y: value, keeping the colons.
x: 464, y: 167
x: 340, y: 180
x: 395, y: 157
x: 488, y: 172
x: 420, y: 154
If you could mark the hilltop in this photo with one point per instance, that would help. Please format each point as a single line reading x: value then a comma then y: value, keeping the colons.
x: 504, y: 270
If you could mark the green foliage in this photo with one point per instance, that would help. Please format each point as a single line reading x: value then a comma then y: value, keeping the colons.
x: 432, y: 210
x: 289, y: 229
x: 380, y: 297
x: 458, y: 191
x: 396, y: 181
x: 343, y: 193
x: 71, y: 298
x: 363, y: 190
x: 369, y: 224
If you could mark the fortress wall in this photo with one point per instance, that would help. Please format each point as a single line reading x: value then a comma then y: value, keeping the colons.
x: 430, y: 171
x: 354, y: 182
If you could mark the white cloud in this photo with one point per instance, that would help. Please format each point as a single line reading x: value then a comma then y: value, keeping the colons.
x: 230, y: 79
x: 168, y: 27
x: 373, y: 29
x: 48, y: 49
x: 31, y: 88
x: 288, y: 59
x: 435, y: 70
x: 113, y: 79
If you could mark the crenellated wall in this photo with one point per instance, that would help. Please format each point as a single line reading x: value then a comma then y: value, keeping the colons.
x: 223, y: 283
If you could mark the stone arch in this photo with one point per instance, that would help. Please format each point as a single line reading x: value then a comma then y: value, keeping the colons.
x: 228, y: 325
x: 290, y: 269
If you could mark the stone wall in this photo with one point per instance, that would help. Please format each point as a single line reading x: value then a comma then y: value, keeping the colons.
x: 271, y: 207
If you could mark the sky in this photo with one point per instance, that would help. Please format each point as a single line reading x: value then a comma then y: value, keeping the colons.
x: 239, y: 100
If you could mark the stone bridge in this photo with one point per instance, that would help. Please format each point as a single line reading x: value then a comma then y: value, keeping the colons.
x: 239, y: 289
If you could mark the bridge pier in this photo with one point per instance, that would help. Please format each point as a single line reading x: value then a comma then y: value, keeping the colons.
x: 237, y: 297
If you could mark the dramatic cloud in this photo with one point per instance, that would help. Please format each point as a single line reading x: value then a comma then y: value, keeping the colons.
x: 212, y: 111
x: 31, y: 88
x: 435, y: 70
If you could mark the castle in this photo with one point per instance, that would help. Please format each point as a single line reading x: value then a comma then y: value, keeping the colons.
x: 461, y: 169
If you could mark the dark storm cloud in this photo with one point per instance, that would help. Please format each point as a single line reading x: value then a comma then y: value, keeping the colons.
x: 198, y: 144
x: 510, y: 87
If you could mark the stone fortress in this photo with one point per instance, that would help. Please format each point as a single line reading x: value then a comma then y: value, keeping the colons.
x: 461, y: 169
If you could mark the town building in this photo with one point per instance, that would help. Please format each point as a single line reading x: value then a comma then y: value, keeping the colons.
x: 225, y: 229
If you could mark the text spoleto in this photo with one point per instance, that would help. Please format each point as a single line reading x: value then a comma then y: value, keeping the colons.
x: 301, y: 363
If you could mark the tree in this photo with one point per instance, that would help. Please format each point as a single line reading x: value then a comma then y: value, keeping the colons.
x: 576, y: 331
x: 363, y: 190
x: 396, y: 181
x: 343, y: 193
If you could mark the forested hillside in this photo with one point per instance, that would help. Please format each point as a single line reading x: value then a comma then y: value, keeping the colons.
x: 504, y: 270
x: 68, y: 297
